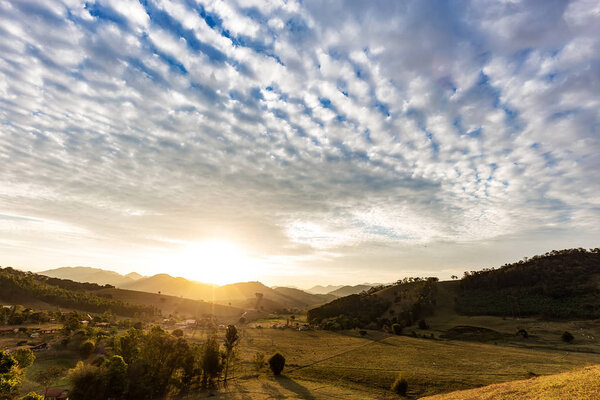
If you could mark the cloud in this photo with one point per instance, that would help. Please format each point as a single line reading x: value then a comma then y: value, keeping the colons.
x: 302, y: 130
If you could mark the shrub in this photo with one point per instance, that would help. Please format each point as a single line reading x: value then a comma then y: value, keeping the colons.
x: 32, y: 396
x: 523, y: 333
x: 177, y: 333
x: 86, y: 349
x: 567, y: 337
x: 423, y: 324
x: 98, y: 361
x: 258, y: 361
x: 276, y: 363
x: 400, y: 386
x: 86, y: 383
x: 397, y: 329
x: 24, y: 357
x: 210, y: 362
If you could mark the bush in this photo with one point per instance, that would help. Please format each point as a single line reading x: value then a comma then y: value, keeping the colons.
x: 86, y: 383
x: 423, y: 324
x: 523, y: 333
x: 32, y: 396
x: 397, y: 329
x: 24, y: 357
x: 258, y: 361
x: 86, y: 349
x: 400, y: 386
x: 177, y: 333
x: 276, y: 363
x: 567, y: 337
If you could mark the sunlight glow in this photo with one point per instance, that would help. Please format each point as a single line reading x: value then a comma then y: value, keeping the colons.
x: 215, y: 261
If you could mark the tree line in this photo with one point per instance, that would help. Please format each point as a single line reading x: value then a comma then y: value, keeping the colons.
x: 556, y: 284
x: 19, y: 286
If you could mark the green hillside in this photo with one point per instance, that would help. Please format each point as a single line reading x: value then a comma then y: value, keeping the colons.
x: 558, y: 284
x: 22, y: 287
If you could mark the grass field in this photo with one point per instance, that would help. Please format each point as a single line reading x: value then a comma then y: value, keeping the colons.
x: 369, y: 365
x: 344, y: 365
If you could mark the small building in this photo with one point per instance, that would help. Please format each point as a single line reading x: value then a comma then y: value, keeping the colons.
x: 56, y: 394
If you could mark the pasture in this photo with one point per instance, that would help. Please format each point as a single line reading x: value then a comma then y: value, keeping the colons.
x: 368, y: 365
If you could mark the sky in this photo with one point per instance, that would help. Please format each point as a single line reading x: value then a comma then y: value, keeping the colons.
x: 297, y: 142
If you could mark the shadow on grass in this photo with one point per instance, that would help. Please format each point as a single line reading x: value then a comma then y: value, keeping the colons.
x: 295, y: 387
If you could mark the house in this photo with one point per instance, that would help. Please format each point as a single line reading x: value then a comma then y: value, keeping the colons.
x: 56, y: 394
x: 39, y: 347
x: 8, y: 331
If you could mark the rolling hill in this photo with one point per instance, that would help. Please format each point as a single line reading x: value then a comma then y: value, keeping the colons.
x: 242, y: 294
x: 348, y: 290
x: 559, y: 284
x: 92, y: 275
x: 581, y: 384
x: 319, y: 289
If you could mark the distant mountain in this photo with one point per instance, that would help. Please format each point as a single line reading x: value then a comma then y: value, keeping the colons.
x: 166, y: 284
x: 92, y: 275
x: 301, y: 296
x: 348, y: 290
x: 324, y: 289
x: 134, y: 275
x: 242, y: 294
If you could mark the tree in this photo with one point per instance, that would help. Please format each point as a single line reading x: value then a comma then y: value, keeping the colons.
x: 86, y: 383
x: 24, y: 357
x: 276, y: 363
x: 231, y: 340
x: 211, y: 362
x: 177, y: 332
x: 259, y: 296
x: 116, y: 377
x: 400, y: 386
x: 567, y: 337
x: 86, y: 349
x: 258, y: 360
x: 11, y: 376
x: 72, y: 322
x: 47, y: 377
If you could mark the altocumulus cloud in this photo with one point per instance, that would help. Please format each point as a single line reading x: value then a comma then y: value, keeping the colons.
x: 399, y: 136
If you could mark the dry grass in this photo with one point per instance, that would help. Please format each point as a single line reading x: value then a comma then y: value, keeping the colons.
x: 583, y: 384
x: 371, y: 364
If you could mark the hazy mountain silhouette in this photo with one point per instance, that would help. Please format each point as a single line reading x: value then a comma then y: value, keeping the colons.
x: 242, y: 294
x: 92, y: 275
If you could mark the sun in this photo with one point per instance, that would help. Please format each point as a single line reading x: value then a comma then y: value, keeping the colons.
x: 215, y: 261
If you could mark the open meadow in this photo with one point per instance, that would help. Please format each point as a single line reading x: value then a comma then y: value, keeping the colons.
x: 334, y: 361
